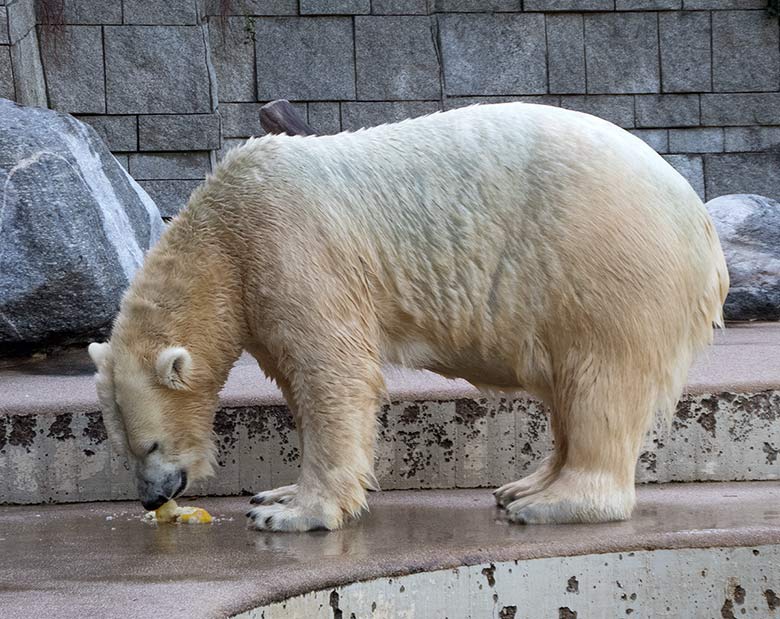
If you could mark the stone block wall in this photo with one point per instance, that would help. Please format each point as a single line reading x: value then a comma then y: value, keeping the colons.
x: 172, y: 84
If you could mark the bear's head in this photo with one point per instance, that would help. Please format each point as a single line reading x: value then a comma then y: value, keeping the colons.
x: 156, y: 411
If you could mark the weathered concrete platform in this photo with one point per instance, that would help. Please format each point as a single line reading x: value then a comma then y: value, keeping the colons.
x: 435, y: 433
x: 89, y: 560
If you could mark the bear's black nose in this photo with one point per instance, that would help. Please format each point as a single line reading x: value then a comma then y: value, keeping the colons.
x: 151, y: 504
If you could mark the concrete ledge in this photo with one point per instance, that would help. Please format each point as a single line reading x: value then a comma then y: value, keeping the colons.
x: 745, y: 358
x: 651, y: 583
x: 100, y: 559
x: 435, y: 434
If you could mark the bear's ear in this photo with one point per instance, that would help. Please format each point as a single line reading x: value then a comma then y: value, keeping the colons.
x: 173, y: 367
x: 100, y: 354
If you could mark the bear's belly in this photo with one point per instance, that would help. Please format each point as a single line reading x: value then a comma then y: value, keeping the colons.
x: 468, y: 365
x: 482, y: 376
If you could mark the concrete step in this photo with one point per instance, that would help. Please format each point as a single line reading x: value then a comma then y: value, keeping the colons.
x: 436, y: 433
x: 691, y: 550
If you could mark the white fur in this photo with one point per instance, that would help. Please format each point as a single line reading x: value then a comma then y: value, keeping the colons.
x: 174, y: 366
x: 516, y: 246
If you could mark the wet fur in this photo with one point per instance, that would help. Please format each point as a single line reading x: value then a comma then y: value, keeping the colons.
x: 516, y: 246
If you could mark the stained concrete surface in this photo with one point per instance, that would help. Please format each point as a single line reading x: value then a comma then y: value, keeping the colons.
x: 101, y: 560
x: 435, y: 434
x: 690, y: 583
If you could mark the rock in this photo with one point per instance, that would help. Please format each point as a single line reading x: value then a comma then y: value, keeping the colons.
x: 749, y: 230
x: 74, y: 227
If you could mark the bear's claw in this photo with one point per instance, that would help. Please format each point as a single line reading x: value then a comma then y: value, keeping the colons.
x: 531, y: 484
x: 282, y: 495
x: 279, y: 517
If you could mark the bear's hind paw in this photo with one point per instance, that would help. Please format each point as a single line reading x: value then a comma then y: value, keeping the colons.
x: 551, y: 507
x: 531, y: 484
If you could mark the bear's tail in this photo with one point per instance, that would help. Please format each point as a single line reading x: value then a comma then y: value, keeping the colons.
x: 719, y: 283
x: 706, y: 312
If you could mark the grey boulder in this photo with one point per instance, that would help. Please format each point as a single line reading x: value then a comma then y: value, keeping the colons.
x: 749, y: 231
x: 74, y: 227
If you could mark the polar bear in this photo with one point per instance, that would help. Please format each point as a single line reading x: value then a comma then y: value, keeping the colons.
x: 517, y: 246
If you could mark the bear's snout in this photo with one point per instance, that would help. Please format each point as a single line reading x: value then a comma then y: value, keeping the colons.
x: 155, y: 492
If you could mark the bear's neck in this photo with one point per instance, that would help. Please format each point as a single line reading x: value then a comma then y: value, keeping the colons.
x: 189, y: 293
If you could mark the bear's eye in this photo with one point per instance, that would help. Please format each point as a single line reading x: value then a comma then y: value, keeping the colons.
x: 155, y: 446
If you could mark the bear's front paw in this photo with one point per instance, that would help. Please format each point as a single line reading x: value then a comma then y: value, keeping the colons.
x: 292, y: 517
x: 283, y: 494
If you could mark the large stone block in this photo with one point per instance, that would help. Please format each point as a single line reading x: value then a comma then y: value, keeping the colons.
x: 242, y: 120
x: 232, y: 49
x: 123, y: 159
x: 396, y: 59
x: 246, y: 8
x: 193, y: 165
x: 85, y: 12
x: 685, y: 51
x: 7, y: 90
x: 723, y: 4
x: 569, y: 5
x: 667, y: 110
x: 696, y: 140
x: 648, y: 5
x: 743, y: 173
x: 167, y: 12
x: 355, y: 115
x: 618, y: 109
x: 335, y: 7
x: 228, y: 144
x: 325, y: 118
x: 170, y: 195
x: 73, y: 229
x: 120, y: 133
x: 566, y: 53
x: 4, y: 38
x: 691, y: 168
x: 21, y: 19
x: 156, y: 70
x: 657, y: 139
x: 621, y: 51
x: 451, y: 103
x: 740, y: 109
x: 479, y: 6
x: 746, y: 52
x: 399, y: 7
x: 749, y: 230
x: 501, y: 54
x: 317, y: 62
x: 747, y: 139
x: 29, y: 83
x: 170, y: 132
x: 74, y: 70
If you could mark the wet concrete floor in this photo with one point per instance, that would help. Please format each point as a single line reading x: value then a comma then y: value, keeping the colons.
x: 100, y: 559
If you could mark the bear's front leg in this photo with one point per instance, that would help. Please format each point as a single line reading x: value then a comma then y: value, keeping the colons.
x: 337, y: 415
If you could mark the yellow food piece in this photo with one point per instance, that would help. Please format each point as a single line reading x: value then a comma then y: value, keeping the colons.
x: 171, y: 512
x: 194, y: 515
x: 167, y: 512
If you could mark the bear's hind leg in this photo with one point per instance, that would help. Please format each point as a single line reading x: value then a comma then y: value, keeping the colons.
x: 603, y: 411
x: 542, y: 477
